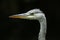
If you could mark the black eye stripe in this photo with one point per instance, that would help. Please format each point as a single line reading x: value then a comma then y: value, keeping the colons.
x: 32, y: 14
x: 37, y: 12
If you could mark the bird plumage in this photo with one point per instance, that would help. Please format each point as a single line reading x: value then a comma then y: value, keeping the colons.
x: 35, y: 14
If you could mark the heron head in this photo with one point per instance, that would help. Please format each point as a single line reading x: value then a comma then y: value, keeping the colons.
x: 31, y: 15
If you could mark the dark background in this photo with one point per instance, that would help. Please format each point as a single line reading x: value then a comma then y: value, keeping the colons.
x: 17, y: 29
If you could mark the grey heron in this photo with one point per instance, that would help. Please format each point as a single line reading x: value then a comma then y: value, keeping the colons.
x: 35, y: 14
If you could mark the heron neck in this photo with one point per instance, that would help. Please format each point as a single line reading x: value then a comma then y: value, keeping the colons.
x: 42, y: 32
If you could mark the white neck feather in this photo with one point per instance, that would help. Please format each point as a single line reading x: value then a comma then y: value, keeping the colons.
x: 43, y: 28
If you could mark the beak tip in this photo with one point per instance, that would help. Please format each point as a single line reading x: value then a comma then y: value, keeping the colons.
x: 10, y: 16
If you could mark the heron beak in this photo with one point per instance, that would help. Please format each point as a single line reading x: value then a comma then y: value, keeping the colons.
x: 22, y: 17
x: 17, y: 16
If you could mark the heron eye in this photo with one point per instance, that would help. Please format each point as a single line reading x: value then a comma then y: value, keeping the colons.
x: 32, y: 14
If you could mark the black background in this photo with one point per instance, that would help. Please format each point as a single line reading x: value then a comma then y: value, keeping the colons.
x: 8, y: 26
